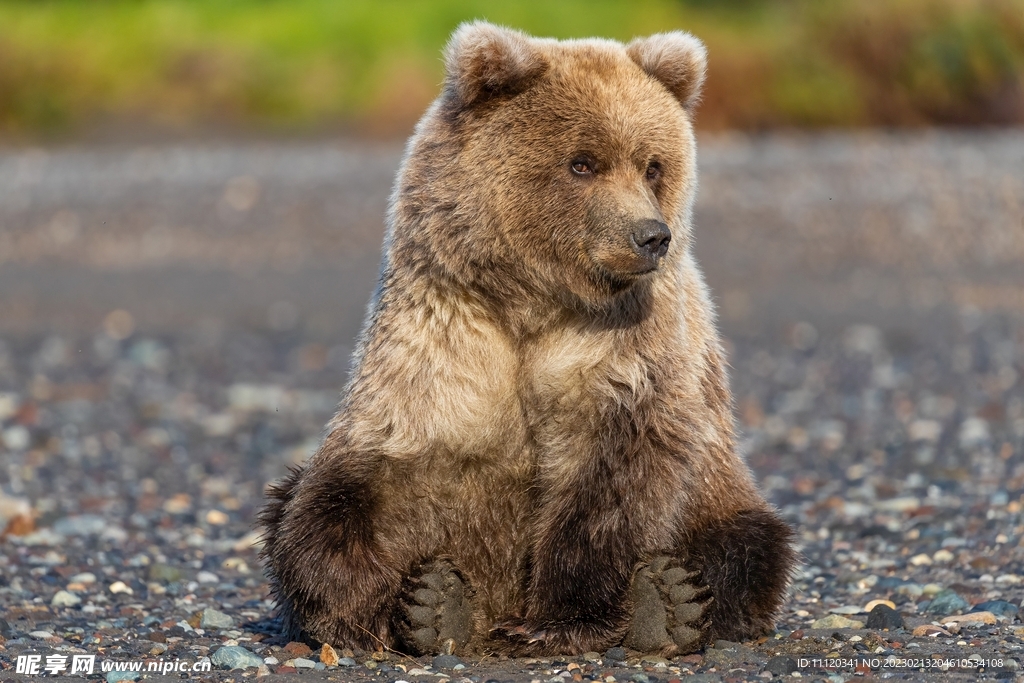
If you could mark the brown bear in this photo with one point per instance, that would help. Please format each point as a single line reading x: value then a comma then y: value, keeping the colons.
x: 535, y: 452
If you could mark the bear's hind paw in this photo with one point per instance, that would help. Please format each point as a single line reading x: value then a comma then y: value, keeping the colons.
x: 437, y: 610
x: 670, y: 609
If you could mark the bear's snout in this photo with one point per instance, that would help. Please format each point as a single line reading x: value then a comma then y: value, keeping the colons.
x: 650, y: 240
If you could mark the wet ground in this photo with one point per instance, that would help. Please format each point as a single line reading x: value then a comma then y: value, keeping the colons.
x: 175, y: 324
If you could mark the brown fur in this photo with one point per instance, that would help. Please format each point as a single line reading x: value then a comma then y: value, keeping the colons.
x: 530, y: 400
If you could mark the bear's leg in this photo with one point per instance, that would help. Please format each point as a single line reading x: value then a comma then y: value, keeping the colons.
x: 747, y: 562
x: 331, y: 581
x: 670, y: 609
x: 585, y: 548
x: 437, y: 605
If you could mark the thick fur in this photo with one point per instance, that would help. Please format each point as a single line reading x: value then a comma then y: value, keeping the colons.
x: 536, y: 398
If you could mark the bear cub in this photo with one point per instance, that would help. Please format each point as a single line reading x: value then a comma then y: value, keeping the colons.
x: 535, y: 453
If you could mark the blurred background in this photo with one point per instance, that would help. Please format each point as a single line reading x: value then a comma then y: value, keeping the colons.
x: 191, y: 209
x: 69, y: 67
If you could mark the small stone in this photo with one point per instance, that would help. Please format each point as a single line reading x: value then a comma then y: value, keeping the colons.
x: 328, y: 655
x: 910, y: 589
x: 303, y: 663
x: 930, y: 631
x: 347, y: 661
x: 616, y: 654
x: 946, y: 602
x: 931, y: 589
x: 65, y: 599
x: 207, y: 577
x: 446, y: 661
x: 80, y: 525
x: 884, y: 618
x: 297, y: 649
x: 235, y: 657
x: 781, y: 665
x: 837, y: 621
x: 165, y: 573
x: 846, y: 610
x: 212, y: 618
x: 116, y: 676
x: 943, y: 555
x: 591, y: 657
x: 875, y: 603
x: 971, y: 618
x: 640, y: 678
x: 120, y: 587
x: 1000, y: 608
x: 920, y: 560
x: 41, y: 635
x: 83, y: 577
x: 262, y: 670
x: 217, y: 518
x: 418, y: 672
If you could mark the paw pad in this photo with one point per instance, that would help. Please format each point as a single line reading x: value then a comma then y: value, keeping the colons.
x: 438, y: 611
x: 670, y: 607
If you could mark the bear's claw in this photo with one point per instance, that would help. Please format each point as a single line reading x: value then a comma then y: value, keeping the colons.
x: 670, y: 609
x: 437, y: 609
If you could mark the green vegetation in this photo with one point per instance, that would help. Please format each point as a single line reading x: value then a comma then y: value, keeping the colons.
x: 67, y: 65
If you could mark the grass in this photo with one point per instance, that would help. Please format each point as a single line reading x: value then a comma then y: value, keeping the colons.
x: 68, y: 65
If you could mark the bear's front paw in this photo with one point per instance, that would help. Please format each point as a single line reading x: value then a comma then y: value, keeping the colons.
x: 670, y: 609
x: 438, y: 615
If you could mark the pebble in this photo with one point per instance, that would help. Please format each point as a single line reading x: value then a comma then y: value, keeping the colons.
x: 212, y: 618
x: 301, y: 663
x: 446, y: 662
x: 930, y: 630
x: 347, y: 661
x: 875, y: 603
x: 1000, y: 608
x: 116, y: 676
x: 837, y: 621
x: 943, y: 556
x: 65, y: 599
x: 971, y: 618
x: 217, y: 518
x: 946, y: 602
x: 83, y: 577
x: 920, y: 560
x: 328, y: 655
x: 847, y: 610
x: 207, y: 577
x: 235, y: 657
x: 616, y: 654
x: 120, y: 587
x: 781, y: 665
x: 165, y: 573
x: 41, y: 635
x: 884, y: 618
x: 81, y: 525
x: 913, y: 590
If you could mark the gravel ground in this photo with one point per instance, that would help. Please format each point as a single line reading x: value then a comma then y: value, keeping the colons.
x: 175, y: 324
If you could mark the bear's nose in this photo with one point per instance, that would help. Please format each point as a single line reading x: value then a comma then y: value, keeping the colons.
x: 651, y: 238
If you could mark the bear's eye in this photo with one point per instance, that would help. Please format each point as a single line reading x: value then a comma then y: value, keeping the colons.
x: 653, y: 171
x: 582, y: 167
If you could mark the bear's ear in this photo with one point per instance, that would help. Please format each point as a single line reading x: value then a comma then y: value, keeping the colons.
x: 483, y: 60
x: 678, y: 60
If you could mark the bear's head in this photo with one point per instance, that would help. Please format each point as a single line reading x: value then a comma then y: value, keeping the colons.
x: 557, y: 164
